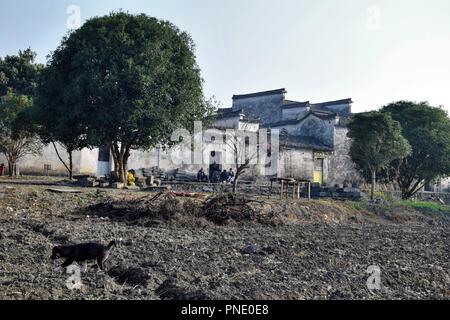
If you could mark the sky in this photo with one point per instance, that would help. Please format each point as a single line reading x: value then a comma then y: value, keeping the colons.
x: 373, y: 51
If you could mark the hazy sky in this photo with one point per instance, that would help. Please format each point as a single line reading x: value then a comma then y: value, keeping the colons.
x: 372, y: 51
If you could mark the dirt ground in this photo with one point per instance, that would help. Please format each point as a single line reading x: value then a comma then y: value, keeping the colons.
x: 224, y: 248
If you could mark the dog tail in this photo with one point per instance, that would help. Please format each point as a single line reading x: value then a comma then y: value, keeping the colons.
x: 111, y: 244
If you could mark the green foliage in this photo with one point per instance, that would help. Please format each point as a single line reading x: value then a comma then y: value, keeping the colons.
x: 19, y: 74
x: 55, y: 120
x: 128, y: 80
x: 16, y: 138
x: 425, y: 206
x: 428, y: 131
x: 376, y: 142
x: 12, y: 109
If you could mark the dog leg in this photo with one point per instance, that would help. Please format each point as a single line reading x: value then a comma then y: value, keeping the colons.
x: 67, y: 263
x: 85, y: 267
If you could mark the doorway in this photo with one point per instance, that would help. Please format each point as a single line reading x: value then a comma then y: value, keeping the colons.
x: 104, y: 162
x: 318, y: 171
x: 215, y: 164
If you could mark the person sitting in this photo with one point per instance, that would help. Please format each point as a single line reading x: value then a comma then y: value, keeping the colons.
x: 201, y: 176
x: 231, y: 175
x: 215, y: 178
x: 224, y: 176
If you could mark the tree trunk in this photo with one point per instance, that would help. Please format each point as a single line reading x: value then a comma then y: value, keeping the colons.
x: 11, y: 168
x: 70, y: 165
x: 374, y: 182
x: 240, y: 170
x: 121, y: 156
x: 114, y: 156
x: 409, y: 192
x: 120, y: 172
x: 235, y: 182
x: 125, y: 169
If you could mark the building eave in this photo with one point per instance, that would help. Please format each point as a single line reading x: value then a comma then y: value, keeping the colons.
x: 260, y: 94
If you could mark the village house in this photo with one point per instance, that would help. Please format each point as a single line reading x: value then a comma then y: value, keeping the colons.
x: 313, y: 136
x: 313, y: 142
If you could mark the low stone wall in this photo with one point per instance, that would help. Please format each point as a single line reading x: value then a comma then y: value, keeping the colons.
x: 224, y: 188
x: 263, y: 190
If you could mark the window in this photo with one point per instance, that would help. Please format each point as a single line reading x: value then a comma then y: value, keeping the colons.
x: 104, y: 154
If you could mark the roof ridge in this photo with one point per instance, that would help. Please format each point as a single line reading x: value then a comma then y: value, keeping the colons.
x: 348, y: 100
x: 261, y: 93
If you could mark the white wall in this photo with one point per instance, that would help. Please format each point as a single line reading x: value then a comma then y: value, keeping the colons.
x: 35, y: 164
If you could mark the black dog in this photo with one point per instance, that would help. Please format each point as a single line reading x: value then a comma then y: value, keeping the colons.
x: 82, y: 253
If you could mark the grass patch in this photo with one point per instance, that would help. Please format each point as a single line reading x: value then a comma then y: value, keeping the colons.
x: 357, y: 205
x: 423, y: 205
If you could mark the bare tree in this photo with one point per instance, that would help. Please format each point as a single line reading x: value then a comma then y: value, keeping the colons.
x: 17, y: 148
x: 243, y: 151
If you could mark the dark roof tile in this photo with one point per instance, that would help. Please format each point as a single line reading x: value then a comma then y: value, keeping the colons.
x: 304, y: 142
x: 295, y: 104
x: 332, y: 103
x: 259, y: 94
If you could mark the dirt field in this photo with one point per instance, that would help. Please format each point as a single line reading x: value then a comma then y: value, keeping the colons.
x: 223, y: 248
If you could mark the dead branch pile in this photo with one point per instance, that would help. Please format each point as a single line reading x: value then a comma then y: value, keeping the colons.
x: 167, y: 206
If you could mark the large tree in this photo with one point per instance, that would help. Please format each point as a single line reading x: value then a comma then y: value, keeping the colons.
x: 16, y: 138
x: 376, y: 141
x: 427, y: 129
x: 129, y: 80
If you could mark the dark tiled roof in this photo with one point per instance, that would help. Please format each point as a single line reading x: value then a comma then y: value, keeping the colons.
x: 260, y: 94
x: 224, y: 110
x: 332, y: 103
x: 304, y: 142
x: 323, y: 116
x: 288, y: 104
x: 228, y: 114
x: 251, y: 120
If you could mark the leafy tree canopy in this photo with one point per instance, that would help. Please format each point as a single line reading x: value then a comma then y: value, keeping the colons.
x: 427, y: 129
x: 19, y: 73
x: 128, y: 80
x: 16, y: 138
x: 376, y: 142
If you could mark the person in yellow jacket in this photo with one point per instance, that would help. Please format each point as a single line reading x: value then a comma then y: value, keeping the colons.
x: 131, y: 179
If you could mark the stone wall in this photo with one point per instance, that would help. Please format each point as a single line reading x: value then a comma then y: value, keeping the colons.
x: 296, y: 163
x: 343, y: 110
x: 340, y: 165
x: 227, y: 123
x: 315, y: 127
x: 34, y: 165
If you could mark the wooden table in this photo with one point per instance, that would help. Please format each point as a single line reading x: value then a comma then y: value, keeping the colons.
x: 290, y: 182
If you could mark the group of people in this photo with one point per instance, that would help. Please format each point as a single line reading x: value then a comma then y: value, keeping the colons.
x: 216, y: 176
